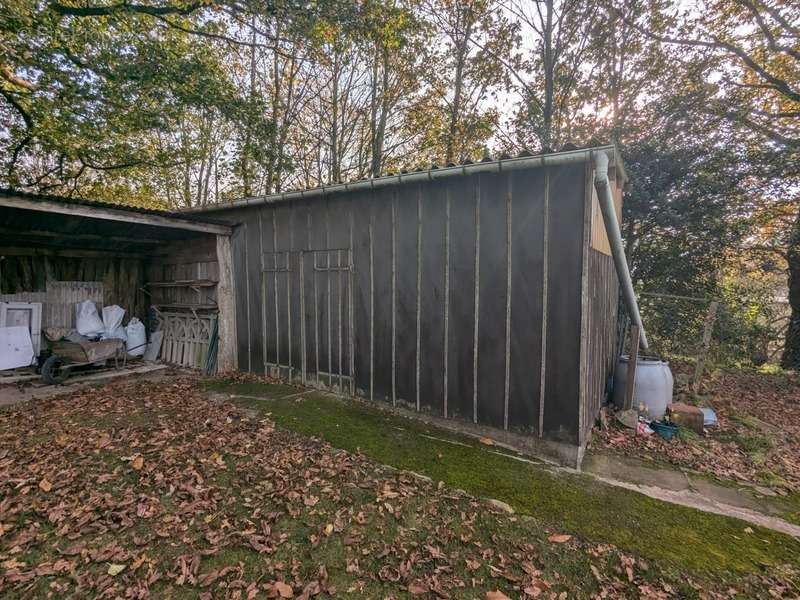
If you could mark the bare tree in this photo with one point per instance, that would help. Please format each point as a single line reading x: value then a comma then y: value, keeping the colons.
x: 559, y: 32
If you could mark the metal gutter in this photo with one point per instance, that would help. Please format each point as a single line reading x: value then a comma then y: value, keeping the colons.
x: 603, y: 187
x: 495, y: 166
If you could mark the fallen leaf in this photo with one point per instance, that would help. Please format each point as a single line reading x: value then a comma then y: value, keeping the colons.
x: 45, y: 485
x: 138, y: 562
x: 137, y: 463
x: 496, y: 595
x: 559, y: 538
x: 283, y: 589
x: 115, y: 569
x: 472, y: 565
x: 416, y: 588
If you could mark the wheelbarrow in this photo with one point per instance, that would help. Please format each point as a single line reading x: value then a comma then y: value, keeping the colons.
x: 66, y: 356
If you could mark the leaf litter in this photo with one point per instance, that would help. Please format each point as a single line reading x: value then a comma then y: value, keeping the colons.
x: 138, y: 490
x: 757, y: 441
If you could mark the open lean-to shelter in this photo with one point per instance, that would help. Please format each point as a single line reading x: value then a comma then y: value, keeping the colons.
x: 485, y: 294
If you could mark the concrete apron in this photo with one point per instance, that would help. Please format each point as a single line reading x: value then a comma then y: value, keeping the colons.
x: 678, y: 487
x: 13, y: 394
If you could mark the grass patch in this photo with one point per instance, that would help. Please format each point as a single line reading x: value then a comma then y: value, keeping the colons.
x: 678, y: 536
x: 686, y: 435
x: 744, y: 420
x: 791, y: 507
x: 754, y: 445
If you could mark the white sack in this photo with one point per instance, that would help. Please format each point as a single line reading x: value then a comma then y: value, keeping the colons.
x: 112, y: 323
x: 87, y: 320
x: 137, y: 338
x: 154, y: 347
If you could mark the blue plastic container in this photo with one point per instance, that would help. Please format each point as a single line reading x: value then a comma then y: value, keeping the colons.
x: 665, y: 430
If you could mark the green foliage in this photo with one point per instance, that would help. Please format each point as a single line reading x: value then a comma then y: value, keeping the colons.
x: 98, y: 95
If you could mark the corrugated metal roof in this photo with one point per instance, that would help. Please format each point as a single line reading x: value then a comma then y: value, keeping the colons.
x: 487, y: 164
x: 81, y: 202
x: 73, y: 201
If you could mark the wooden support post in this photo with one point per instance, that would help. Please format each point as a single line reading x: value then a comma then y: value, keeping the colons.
x: 708, y: 329
x: 226, y: 357
x: 630, y: 381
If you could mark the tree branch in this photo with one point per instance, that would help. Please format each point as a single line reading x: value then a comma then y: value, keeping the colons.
x: 780, y: 85
x: 123, y: 7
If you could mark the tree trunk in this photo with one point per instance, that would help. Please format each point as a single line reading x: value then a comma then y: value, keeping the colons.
x: 246, y: 151
x: 275, y: 150
x: 374, y: 169
x: 382, y: 110
x: 335, y: 172
x: 455, y: 109
x: 791, y: 349
x: 549, y: 77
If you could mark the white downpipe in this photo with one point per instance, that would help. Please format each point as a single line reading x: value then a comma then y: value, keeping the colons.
x: 603, y: 187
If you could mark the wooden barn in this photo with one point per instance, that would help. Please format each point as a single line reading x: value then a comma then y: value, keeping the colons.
x: 485, y: 294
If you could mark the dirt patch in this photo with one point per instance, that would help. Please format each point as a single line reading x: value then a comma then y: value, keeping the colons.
x: 35, y: 389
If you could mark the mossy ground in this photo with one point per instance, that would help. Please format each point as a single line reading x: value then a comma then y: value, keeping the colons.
x: 679, y: 537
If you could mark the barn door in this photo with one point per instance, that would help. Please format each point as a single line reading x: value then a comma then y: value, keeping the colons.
x: 308, y: 315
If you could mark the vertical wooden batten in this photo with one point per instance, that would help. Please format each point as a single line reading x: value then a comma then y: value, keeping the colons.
x: 507, y: 375
x: 446, y: 296
x: 545, y: 259
x: 583, y: 368
x: 476, y: 315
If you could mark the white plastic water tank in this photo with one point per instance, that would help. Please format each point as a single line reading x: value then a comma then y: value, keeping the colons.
x: 653, y: 386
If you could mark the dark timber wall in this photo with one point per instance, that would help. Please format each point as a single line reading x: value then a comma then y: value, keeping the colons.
x: 472, y: 297
x: 28, y: 270
x: 601, y: 327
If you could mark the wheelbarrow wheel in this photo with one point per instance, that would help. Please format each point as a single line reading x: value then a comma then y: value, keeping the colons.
x: 54, y: 370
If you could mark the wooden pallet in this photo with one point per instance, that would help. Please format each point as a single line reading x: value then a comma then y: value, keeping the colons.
x: 186, y: 338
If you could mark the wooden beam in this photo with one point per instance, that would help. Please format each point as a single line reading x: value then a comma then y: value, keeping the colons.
x: 226, y: 302
x: 69, y: 253
x: 111, y: 214
x: 65, y: 235
x: 189, y: 283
